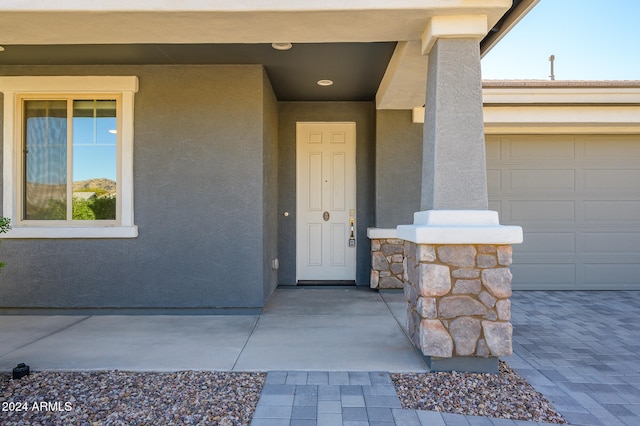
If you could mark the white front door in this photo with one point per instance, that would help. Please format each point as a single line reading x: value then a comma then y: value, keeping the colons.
x: 326, y: 201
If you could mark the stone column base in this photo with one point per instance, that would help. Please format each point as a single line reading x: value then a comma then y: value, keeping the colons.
x: 387, y: 257
x: 458, y: 304
x: 387, y: 270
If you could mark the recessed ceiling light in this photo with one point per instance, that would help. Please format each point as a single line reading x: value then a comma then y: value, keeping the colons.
x: 1, y: 48
x: 281, y: 46
x: 324, y: 82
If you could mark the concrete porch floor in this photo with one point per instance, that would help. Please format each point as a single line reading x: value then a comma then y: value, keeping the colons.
x: 300, y: 329
x: 580, y: 349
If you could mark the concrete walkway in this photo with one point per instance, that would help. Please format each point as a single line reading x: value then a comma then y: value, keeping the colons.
x: 580, y: 349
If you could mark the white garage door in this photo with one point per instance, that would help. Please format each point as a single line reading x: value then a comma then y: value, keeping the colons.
x: 577, y: 199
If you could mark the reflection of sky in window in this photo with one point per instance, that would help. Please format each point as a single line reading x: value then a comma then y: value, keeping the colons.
x: 94, y: 148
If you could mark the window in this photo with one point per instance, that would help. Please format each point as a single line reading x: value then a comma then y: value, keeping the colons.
x: 68, y: 156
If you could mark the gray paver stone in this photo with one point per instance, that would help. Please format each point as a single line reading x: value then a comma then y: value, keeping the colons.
x: 334, y: 407
x: 273, y: 411
x: 352, y: 400
x: 379, y: 414
x: 406, y: 417
x: 329, y: 419
x: 382, y: 401
x: 305, y: 401
x: 354, y: 414
x: 300, y: 412
x: 276, y: 400
x: 430, y: 418
x: 329, y: 392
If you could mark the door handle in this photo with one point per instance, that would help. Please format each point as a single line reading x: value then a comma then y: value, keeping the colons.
x: 352, y: 238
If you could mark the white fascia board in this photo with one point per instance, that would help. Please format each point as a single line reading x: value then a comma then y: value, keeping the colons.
x: 561, y: 95
x: 575, y: 115
x: 246, y: 5
x: 559, y: 129
x: 566, y: 118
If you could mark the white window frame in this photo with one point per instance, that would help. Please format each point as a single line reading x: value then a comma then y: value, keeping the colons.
x: 124, y: 87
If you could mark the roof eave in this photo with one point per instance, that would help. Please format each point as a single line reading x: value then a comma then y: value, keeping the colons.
x: 519, y: 9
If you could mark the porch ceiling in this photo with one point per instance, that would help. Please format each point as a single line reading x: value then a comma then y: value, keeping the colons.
x: 355, y: 68
x: 351, y: 43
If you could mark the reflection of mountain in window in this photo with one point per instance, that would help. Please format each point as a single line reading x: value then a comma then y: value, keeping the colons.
x: 87, y: 141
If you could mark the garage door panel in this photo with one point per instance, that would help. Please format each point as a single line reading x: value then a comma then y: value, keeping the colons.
x: 543, y: 275
x: 611, y: 275
x: 612, y: 242
x: 542, y: 180
x: 612, y: 181
x: 543, y: 149
x: 493, y: 150
x: 612, y: 211
x: 542, y: 211
x: 494, y: 180
x: 547, y: 243
x: 599, y: 149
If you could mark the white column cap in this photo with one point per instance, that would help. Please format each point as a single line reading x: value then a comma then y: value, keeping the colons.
x: 459, y: 227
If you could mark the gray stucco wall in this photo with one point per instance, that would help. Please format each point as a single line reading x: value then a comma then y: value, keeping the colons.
x: 363, y: 114
x: 270, y: 188
x: 398, y: 168
x: 202, y: 182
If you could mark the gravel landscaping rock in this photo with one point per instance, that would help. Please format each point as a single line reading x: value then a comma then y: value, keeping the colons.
x: 230, y: 398
x: 130, y: 398
x: 504, y: 395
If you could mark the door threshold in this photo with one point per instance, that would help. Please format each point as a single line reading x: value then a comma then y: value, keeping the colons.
x: 319, y: 283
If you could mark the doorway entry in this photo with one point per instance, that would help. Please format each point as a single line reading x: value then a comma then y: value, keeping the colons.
x: 326, y: 202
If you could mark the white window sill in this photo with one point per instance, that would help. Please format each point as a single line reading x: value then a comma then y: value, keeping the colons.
x: 72, y: 232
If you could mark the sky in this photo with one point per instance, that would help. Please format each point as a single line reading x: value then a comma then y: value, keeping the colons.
x: 590, y: 39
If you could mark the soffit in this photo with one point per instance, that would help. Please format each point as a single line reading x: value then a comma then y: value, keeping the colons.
x: 355, y: 68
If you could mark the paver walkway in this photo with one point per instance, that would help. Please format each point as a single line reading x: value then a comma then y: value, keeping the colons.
x: 579, y: 349
x: 299, y: 398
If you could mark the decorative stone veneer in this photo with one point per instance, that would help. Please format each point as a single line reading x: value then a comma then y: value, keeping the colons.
x: 387, y: 270
x: 459, y: 299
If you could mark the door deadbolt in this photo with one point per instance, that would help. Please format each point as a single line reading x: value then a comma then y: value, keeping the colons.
x: 326, y: 216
